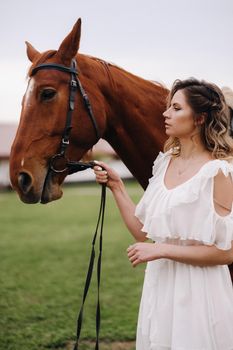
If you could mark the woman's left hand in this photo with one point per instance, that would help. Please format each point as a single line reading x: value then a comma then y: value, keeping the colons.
x: 143, y: 252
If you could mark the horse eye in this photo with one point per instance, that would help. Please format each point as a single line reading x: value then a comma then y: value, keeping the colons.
x: 47, y: 94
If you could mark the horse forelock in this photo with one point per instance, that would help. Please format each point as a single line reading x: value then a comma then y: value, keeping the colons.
x: 41, y: 59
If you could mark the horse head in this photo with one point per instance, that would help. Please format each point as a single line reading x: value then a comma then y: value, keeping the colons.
x: 44, y: 117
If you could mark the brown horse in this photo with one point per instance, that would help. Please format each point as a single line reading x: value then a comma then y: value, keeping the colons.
x: 128, y: 112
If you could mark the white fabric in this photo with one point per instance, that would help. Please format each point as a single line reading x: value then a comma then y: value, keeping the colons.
x: 185, y: 307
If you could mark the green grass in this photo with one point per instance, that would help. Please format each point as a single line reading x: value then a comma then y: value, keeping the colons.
x: 44, y: 257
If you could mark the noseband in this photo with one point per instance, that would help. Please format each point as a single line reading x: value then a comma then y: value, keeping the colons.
x: 59, y: 163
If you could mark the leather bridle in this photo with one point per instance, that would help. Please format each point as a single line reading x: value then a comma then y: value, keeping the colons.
x: 59, y: 163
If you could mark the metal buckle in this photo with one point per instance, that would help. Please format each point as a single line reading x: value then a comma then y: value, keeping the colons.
x: 65, y: 142
x: 73, y: 83
x: 55, y: 167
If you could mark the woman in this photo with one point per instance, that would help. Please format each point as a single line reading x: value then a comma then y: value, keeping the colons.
x: 187, y: 212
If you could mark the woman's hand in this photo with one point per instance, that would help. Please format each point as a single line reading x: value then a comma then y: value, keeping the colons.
x: 107, y: 175
x: 143, y: 252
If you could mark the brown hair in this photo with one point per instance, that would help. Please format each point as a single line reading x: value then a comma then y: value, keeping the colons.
x: 205, y: 98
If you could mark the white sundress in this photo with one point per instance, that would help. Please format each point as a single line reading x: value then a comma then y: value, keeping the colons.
x: 185, y: 307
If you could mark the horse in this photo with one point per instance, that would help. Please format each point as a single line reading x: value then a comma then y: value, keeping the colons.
x: 127, y: 109
x: 127, y: 113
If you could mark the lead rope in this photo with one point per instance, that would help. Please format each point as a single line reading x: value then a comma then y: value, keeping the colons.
x: 100, y: 222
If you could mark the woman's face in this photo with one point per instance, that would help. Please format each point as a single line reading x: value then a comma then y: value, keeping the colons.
x: 179, y: 117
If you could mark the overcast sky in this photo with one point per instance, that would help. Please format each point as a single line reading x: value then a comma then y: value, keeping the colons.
x: 156, y: 39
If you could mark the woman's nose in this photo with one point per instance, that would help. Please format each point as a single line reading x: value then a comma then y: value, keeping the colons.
x: 165, y: 114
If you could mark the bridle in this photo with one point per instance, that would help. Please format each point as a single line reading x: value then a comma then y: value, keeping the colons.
x: 60, y: 164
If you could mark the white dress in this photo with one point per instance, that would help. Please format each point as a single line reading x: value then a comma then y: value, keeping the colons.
x: 185, y: 307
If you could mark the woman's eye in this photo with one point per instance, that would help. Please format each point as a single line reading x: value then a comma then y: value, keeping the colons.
x: 47, y: 94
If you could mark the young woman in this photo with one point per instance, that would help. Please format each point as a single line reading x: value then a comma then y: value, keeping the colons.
x: 187, y: 212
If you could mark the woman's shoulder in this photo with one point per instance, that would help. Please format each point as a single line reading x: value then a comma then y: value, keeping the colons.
x: 218, y: 168
x: 161, y: 159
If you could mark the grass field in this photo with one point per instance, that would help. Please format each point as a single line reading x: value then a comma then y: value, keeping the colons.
x: 44, y: 258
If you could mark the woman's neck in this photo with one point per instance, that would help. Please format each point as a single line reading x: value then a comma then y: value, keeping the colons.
x: 192, y: 148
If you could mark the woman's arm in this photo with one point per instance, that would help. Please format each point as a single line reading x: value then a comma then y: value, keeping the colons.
x: 123, y: 201
x: 223, y: 193
x: 200, y: 255
x: 127, y: 209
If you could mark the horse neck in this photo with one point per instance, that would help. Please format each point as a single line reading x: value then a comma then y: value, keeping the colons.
x: 134, y: 122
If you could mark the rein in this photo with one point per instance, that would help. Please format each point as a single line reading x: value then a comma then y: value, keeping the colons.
x: 60, y: 164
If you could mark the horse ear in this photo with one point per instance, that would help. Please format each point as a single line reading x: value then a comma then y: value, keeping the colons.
x: 70, y: 45
x: 31, y: 51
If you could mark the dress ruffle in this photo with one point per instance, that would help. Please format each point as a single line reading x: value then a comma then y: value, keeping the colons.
x: 186, y: 212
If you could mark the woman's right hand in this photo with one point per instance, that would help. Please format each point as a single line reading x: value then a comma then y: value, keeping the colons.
x: 106, y: 175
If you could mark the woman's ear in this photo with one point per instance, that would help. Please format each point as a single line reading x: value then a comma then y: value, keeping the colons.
x: 200, y: 119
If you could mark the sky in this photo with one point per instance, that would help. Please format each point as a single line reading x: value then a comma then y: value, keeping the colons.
x: 156, y: 39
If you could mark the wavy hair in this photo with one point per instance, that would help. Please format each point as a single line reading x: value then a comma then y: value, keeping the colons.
x: 207, y: 99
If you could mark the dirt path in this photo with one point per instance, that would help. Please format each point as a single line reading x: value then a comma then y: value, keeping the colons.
x: 88, y: 345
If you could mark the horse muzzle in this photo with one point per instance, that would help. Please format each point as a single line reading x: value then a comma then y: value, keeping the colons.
x: 51, y: 190
x: 45, y: 189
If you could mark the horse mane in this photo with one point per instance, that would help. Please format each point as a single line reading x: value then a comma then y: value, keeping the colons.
x: 107, y: 65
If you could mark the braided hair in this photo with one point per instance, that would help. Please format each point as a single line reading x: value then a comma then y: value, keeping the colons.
x: 207, y: 99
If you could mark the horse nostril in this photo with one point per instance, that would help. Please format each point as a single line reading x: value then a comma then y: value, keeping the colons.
x: 25, y: 182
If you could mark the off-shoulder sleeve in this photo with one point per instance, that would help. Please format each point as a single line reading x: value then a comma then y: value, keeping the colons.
x: 157, y: 162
